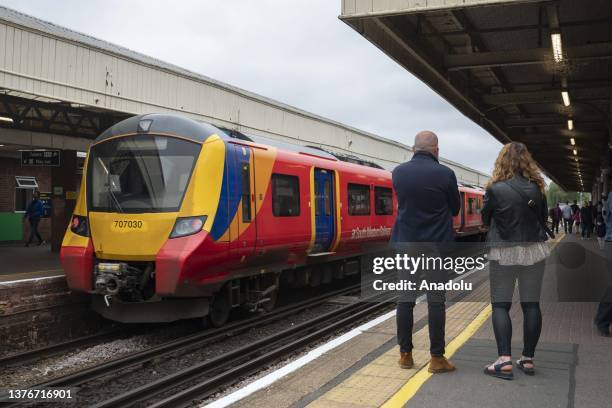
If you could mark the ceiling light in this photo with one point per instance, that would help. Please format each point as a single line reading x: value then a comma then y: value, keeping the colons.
x: 575, y: 152
x: 572, y: 141
x: 1, y: 145
x: 6, y: 119
x: 566, y: 99
x: 557, y: 47
x: 570, y: 124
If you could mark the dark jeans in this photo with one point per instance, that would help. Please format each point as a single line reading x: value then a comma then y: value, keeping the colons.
x: 436, y: 320
x: 503, y: 280
x: 586, y: 230
x: 34, y: 230
x: 603, y: 317
x: 555, y: 226
x: 567, y: 225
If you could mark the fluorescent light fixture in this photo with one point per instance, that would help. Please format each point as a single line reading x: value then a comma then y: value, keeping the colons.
x: 6, y: 119
x: 575, y: 152
x: 566, y: 99
x: 570, y: 124
x: 573, y: 142
x: 557, y: 47
x: 1, y: 145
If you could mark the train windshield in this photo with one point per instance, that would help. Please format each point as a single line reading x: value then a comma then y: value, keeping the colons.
x: 141, y: 173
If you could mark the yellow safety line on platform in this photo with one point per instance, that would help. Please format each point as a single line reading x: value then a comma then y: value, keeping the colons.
x: 408, y: 390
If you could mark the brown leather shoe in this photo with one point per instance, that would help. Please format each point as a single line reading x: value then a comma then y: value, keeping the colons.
x: 405, y: 360
x: 439, y: 364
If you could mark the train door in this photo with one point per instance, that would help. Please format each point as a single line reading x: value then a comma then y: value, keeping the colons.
x: 462, y: 211
x: 324, y: 209
x: 244, y: 192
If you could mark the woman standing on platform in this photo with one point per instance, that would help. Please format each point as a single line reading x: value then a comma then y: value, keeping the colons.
x: 515, y: 210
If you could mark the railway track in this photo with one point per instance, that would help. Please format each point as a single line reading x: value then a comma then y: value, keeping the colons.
x: 55, y: 349
x: 228, y: 368
x: 187, y: 343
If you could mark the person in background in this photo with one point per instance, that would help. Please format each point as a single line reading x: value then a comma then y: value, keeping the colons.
x: 428, y: 198
x: 568, y: 221
x: 603, y: 317
x: 33, y: 214
x: 555, y: 216
x: 600, y: 230
x: 586, y: 216
x: 575, y: 206
x: 595, y: 211
x: 576, y: 220
x: 515, y: 210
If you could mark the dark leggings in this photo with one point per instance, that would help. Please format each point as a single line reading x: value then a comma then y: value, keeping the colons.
x: 503, y: 280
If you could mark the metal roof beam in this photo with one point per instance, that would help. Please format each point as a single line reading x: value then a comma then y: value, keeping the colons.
x: 521, y: 27
x: 456, y: 62
x: 548, y: 120
x: 547, y: 95
x: 562, y: 134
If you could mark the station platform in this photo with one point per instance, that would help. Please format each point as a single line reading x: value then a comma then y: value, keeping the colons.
x: 18, y: 262
x: 572, y: 361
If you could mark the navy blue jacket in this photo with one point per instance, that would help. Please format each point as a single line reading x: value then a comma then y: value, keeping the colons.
x: 35, y: 209
x: 428, y: 198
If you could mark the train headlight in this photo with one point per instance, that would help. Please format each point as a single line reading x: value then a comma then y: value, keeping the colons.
x: 187, y: 226
x: 79, y: 225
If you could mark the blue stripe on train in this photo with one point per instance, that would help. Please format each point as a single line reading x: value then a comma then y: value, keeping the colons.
x: 230, y: 191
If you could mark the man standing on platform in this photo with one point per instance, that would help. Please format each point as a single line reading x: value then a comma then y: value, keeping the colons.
x: 568, y: 219
x: 428, y: 198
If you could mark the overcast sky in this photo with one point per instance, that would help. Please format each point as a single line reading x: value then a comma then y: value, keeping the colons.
x: 296, y: 51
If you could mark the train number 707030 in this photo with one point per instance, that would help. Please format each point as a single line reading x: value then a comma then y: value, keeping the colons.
x: 128, y: 224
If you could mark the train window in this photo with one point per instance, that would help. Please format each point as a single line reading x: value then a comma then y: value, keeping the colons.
x: 285, y: 195
x: 324, y: 198
x: 358, y: 199
x: 327, y: 197
x: 246, y: 192
x: 471, y: 205
x: 383, y: 201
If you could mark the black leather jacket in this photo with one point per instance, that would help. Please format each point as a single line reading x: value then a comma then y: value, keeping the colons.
x: 509, y: 217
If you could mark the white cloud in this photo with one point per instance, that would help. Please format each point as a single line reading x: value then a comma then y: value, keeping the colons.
x: 296, y: 52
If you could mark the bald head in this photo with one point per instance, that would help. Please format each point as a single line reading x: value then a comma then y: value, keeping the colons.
x: 426, y: 140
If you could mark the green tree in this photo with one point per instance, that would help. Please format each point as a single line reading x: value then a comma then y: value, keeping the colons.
x: 554, y: 195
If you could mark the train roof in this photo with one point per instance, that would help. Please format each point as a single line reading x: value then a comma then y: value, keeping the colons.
x: 161, y: 123
x: 199, y: 131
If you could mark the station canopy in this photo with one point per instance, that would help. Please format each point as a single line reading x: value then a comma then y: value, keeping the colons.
x: 530, y: 71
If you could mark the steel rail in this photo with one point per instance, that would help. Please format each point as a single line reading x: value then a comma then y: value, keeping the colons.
x: 183, y: 343
x: 230, y: 366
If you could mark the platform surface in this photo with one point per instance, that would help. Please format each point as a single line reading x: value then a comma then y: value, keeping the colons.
x: 20, y: 262
x: 572, y: 361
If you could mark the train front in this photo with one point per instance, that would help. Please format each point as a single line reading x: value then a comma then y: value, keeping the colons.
x: 146, y: 202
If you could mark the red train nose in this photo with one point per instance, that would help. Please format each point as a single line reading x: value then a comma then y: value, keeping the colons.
x: 78, y: 266
x: 174, y: 262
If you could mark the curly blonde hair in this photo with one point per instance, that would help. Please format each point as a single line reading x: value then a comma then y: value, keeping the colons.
x: 513, y: 159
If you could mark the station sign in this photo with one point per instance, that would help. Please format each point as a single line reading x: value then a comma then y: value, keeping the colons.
x: 41, y: 158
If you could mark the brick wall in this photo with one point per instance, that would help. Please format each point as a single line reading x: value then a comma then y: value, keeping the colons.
x: 37, y: 313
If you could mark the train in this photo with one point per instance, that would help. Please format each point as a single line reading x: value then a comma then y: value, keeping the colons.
x: 176, y: 218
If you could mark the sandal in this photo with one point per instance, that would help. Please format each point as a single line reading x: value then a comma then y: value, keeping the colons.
x: 520, y: 364
x: 498, y: 372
